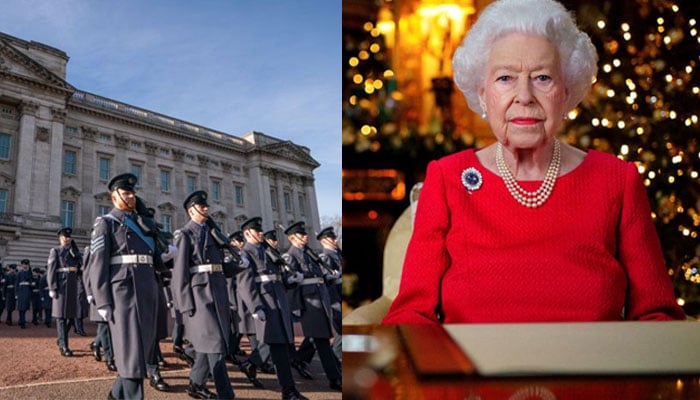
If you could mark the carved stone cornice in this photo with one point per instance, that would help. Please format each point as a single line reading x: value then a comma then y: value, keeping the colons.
x: 42, y: 134
x: 121, y: 140
x: 178, y: 154
x: 88, y: 132
x: 167, y: 207
x: 70, y: 192
x: 203, y: 160
x: 151, y: 148
x: 226, y: 166
x: 58, y: 114
x: 28, y: 108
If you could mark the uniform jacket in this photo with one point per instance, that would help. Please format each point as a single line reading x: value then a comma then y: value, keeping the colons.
x: 24, y: 289
x: 65, y: 284
x: 312, y: 299
x: 129, y: 288
x: 261, y: 287
x: 203, y: 293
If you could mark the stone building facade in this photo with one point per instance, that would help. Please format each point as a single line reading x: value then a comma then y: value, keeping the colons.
x: 59, y: 147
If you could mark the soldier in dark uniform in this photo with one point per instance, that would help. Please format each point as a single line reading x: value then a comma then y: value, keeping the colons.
x: 124, y: 284
x: 333, y: 259
x: 103, y: 339
x: 82, y: 307
x: 24, y: 291
x: 36, y: 296
x: 262, y: 288
x: 311, y: 301
x: 62, y: 278
x: 9, y: 287
x: 237, y: 242
x: 199, y: 290
x: 2, y: 289
x: 46, y: 299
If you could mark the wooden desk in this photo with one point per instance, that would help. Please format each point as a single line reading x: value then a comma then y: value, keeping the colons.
x: 426, y: 364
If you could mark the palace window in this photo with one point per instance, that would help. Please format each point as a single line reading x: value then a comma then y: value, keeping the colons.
x: 302, y: 204
x: 164, y: 180
x: 238, y: 192
x: 167, y: 222
x: 191, y: 183
x: 287, y: 202
x: 67, y: 213
x: 105, y: 166
x: 3, y: 201
x: 69, y: 160
x: 137, y: 170
x: 5, y: 141
x: 102, y: 210
x: 273, y: 198
x: 216, y: 190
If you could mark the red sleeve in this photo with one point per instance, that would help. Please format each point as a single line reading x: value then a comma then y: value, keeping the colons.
x: 426, y: 256
x: 650, y: 291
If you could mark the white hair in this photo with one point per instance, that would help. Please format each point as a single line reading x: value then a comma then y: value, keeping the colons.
x: 546, y: 18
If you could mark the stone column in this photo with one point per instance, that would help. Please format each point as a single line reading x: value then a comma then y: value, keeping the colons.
x: 56, y: 165
x: 25, y: 158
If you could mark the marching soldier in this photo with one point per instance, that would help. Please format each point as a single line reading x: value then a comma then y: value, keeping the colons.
x: 124, y: 285
x: 9, y: 287
x: 262, y: 288
x: 237, y: 242
x: 24, y: 292
x: 311, y: 301
x: 62, y: 278
x: 46, y: 299
x: 3, y: 272
x: 199, y: 290
x: 82, y: 307
x: 333, y: 259
x: 103, y: 339
x: 36, y: 296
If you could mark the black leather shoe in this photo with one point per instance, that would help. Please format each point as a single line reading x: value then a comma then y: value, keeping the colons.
x: 301, y: 369
x: 66, y: 352
x: 199, y: 392
x: 22, y: 326
x: 336, y: 384
x: 232, y: 359
x: 110, y: 365
x: 159, y: 384
x: 81, y: 333
x: 268, y: 369
x: 249, y: 370
x: 182, y: 355
x: 96, y: 351
x: 291, y: 393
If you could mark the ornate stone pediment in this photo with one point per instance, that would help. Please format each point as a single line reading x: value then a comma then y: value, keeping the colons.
x: 70, y: 193
x: 6, y: 180
x: 291, y: 151
x: 16, y: 64
x: 167, y: 207
x: 103, y: 196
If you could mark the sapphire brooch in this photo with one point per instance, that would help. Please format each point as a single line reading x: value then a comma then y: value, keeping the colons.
x: 471, y: 179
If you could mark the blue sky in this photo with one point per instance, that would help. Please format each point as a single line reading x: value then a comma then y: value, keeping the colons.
x: 233, y: 66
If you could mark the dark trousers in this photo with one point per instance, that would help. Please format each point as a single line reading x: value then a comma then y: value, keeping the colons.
x: 63, y: 327
x: 280, y: 357
x: 47, y: 316
x: 104, y: 340
x: 214, y: 363
x: 78, y: 325
x: 178, y: 330
x: 125, y: 388
x: 22, y: 317
x: 328, y: 360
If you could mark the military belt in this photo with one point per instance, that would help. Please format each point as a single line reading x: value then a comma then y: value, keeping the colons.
x: 67, y: 269
x: 206, y: 268
x: 24, y: 283
x: 10, y: 286
x: 311, y: 281
x: 132, y: 259
x: 35, y: 290
x: 268, y: 278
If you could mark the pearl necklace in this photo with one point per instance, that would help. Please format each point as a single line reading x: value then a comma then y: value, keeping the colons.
x: 539, y: 196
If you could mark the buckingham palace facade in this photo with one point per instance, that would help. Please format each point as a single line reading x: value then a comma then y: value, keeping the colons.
x: 60, y: 146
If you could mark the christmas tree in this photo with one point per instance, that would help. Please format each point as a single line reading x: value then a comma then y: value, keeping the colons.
x: 644, y: 108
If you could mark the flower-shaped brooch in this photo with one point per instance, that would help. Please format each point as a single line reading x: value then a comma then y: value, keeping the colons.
x: 471, y: 179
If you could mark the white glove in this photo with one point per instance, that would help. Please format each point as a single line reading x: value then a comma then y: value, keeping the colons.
x: 259, y: 315
x: 52, y: 294
x: 90, y: 299
x: 295, y: 277
x: 296, y: 313
x: 172, y: 252
x: 336, y: 306
x: 105, y: 313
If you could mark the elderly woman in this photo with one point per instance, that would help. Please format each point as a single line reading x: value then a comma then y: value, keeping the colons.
x: 530, y: 229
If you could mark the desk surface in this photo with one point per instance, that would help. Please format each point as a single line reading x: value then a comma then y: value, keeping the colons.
x: 423, y: 362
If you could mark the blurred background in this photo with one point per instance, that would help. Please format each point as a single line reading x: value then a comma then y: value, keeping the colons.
x: 401, y: 110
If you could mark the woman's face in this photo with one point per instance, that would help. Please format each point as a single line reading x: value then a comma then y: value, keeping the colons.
x: 524, y: 91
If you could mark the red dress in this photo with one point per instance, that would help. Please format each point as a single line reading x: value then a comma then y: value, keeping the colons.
x: 590, y: 253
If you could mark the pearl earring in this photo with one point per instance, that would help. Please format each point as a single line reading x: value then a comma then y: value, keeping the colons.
x: 483, y: 115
